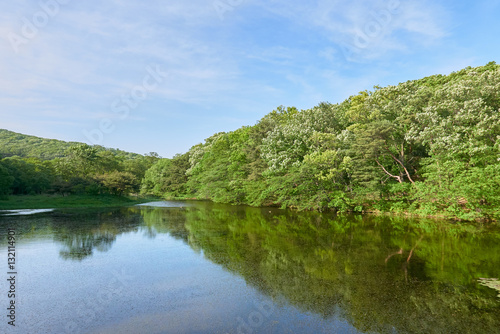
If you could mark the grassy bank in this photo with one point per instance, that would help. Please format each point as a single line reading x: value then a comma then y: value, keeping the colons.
x: 71, y: 201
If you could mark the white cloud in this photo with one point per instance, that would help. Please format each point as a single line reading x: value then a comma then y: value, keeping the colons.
x: 108, y: 47
x: 364, y: 26
x: 109, y: 50
x: 263, y: 54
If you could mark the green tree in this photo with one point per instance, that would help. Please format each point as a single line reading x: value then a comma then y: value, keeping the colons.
x: 6, y: 181
x: 380, y: 152
x: 30, y: 176
x: 119, y: 183
x: 83, y: 160
x: 427, y: 146
x: 167, y: 177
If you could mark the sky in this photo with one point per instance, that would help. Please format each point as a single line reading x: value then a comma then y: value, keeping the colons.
x: 161, y: 76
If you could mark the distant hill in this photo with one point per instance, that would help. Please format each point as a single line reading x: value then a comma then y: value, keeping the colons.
x: 13, y: 143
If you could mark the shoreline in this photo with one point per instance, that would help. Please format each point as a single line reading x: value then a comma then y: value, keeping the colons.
x: 22, y: 202
x: 442, y: 217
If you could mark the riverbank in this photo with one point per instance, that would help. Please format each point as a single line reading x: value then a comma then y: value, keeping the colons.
x: 70, y: 201
x: 363, y: 208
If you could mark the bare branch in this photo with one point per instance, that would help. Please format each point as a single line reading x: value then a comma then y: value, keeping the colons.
x: 385, y: 170
x: 402, y: 165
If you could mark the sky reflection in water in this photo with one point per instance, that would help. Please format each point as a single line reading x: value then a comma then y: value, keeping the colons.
x: 196, y: 267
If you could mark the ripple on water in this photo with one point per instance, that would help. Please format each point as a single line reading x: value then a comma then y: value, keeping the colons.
x: 165, y: 204
x: 24, y: 212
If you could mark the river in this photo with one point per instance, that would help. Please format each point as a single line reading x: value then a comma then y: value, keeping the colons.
x: 200, y: 267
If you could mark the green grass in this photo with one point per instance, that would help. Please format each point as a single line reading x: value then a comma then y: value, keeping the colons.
x: 70, y: 201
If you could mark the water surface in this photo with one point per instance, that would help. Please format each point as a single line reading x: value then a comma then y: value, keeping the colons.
x: 195, y: 267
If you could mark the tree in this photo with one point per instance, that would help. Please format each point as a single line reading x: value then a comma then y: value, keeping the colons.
x: 6, y: 181
x: 83, y: 159
x: 119, y: 183
x: 30, y: 176
x: 167, y: 177
x: 380, y: 150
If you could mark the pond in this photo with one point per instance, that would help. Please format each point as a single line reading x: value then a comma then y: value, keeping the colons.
x: 200, y: 267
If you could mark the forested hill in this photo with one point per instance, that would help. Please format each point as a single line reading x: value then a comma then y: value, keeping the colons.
x: 32, y: 165
x: 25, y: 146
x: 428, y: 146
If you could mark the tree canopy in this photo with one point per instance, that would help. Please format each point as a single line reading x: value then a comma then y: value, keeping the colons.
x: 428, y: 146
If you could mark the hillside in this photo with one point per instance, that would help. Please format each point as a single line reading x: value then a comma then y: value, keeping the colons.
x: 31, y: 165
x: 429, y: 146
x: 26, y: 146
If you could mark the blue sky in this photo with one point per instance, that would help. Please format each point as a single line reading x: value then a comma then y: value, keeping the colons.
x: 164, y: 75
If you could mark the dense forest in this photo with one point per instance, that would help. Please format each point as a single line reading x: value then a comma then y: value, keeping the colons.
x: 17, y: 144
x: 428, y: 147
x: 31, y: 165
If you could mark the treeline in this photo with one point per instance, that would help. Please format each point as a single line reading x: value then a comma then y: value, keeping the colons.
x: 82, y: 169
x: 18, y: 144
x: 429, y: 146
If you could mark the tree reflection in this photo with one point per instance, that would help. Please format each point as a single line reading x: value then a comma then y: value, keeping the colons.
x: 80, y: 246
x: 81, y: 232
x: 381, y: 274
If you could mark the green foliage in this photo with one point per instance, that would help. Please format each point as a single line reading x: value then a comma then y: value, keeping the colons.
x: 6, y: 181
x: 428, y: 146
x: 83, y: 160
x: 380, y: 153
x: 119, y: 183
x: 167, y: 177
x: 28, y: 176
x: 292, y: 139
x: 17, y: 144
x: 76, y: 169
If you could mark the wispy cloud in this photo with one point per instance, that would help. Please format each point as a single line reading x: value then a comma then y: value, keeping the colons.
x: 371, y: 28
x: 108, y: 47
x: 262, y: 54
